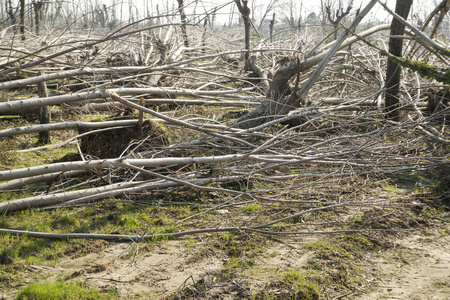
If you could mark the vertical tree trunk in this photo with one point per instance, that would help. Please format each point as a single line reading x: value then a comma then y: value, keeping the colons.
x: 245, y: 12
x: 22, y: 19
x: 204, y: 34
x: 37, y: 5
x: 402, y: 8
x: 183, y: 22
x: 44, y: 114
x: 10, y: 12
x: 272, y: 22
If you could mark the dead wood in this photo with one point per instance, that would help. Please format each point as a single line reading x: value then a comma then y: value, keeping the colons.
x: 86, y: 45
x: 6, y: 107
x: 280, y: 102
x: 341, y: 141
x: 64, y: 126
x: 336, y: 17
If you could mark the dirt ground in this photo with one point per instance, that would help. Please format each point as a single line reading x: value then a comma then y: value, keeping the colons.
x: 425, y: 275
x: 416, y: 266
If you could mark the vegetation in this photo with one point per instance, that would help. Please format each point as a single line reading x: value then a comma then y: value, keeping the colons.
x: 423, y: 69
x: 61, y: 290
x: 192, y: 160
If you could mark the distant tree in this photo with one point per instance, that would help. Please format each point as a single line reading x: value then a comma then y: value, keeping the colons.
x: 312, y: 18
x: 37, y: 6
x: 335, y: 16
x: 22, y: 19
x: 270, y: 6
x: 271, y: 24
x: 10, y: 12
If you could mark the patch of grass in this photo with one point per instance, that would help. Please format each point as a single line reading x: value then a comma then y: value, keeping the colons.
x: 443, y: 233
x: 185, y: 211
x: 16, y: 160
x: 390, y: 188
x: 325, y: 246
x: 303, y: 287
x: 238, y: 245
x: 63, y: 290
x: 252, y: 207
x: 97, y: 119
x: 190, y: 242
x: 292, y: 285
x: 336, y: 263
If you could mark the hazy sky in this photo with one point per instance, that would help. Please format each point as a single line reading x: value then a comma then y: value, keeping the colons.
x: 420, y: 7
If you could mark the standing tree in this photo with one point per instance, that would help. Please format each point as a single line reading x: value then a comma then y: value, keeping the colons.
x: 270, y: 6
x: 339, y: 14
x: 10, y: 12
x: 37, y: 5
x: 242, y: 5
x: 271, y: 24
x: 22, y: 19
x: 402, y: 8
x: 183, y: 22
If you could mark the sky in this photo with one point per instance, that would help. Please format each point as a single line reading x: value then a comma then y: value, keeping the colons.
x: 420, y: 7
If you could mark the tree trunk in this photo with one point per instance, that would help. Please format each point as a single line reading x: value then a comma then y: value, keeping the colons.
x: 271, y: 24
x: 44, y: 113
x: 10, y: 12
x: 22, y: 19
x: 245, y: 12
x: 183, y: 22
x: 204, y: 34
x: 37, y: 5
x: 402, y: 8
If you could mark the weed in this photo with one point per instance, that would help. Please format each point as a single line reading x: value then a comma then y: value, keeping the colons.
x: 389, y: 188
x: 62, y: 290
x: 293, y: 285
x: 190, y: 242
x: 251, y: 207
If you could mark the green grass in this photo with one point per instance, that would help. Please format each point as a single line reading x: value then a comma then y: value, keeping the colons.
x: 304, y: 288
x: 252, y: 207
x: 325, y: 246
x: 293, y: 284
x: 62, y: 290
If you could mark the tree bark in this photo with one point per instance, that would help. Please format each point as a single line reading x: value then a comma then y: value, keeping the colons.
x: 183, y: 22
x: 22, y: 19
x: 37, y: 5
x: 44, y: 114
x: 242, y: 5
x: 10, y: 12
x: 7, y: 107
x: 402, y: 8
x: 271, y: 24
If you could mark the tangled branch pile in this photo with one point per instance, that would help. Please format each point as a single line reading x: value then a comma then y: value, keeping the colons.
x: 325, y: 154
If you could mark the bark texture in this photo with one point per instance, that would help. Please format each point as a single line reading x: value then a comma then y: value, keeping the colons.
x: 402, y: 8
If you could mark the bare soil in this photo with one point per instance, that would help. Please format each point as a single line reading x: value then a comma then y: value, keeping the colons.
x: 414, y: 266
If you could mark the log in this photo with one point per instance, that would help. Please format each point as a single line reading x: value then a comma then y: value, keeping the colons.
x: 7, y: 107
x: 64, y: 126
